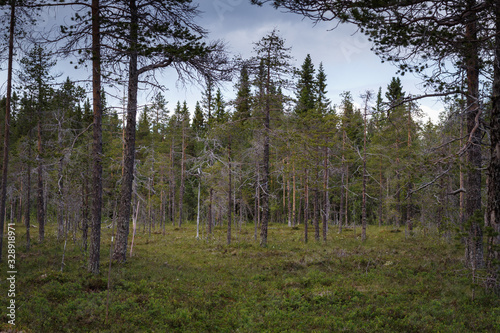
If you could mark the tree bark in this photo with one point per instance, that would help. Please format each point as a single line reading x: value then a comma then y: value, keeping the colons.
x: 257, y: 200
x: 265, y: 162
x: 60, y: 212
x: 306, y: 208
x: 28, y: 197
x: 289, y: 197
x: 316, y: 215
x: 294, y: 217
x: 229, y: 195
x: 198, y: 211
x: 85, y: 212
x: 363, y: 203
x: 326, y: 216
x: 474, y: 244
x: 380, y: 217
x: 172, y: 183
x: 462, y: 181
x: 346, y: 212
x: 40, y: 189
x: 5, y: 161
x: 493, y: 209
x: 342, y: 195
x: 183, y: 176
x: 399, y: 217
x: 123, y: 221
x: 95, y: 246
x: 410, y: 184
x: 210, y: 213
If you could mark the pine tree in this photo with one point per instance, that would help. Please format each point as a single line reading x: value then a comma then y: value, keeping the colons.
x: 157, y: 35
x: 273, y: 57
x: 36, y: 75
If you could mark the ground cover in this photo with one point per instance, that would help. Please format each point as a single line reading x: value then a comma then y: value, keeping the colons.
x: 177, y: 283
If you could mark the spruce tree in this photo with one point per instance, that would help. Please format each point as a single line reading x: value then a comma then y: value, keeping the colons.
x: 243, y: 96
x: 198, y: 120
x: 306, y: 88
x: 322, y: 103
x: 220, y: 114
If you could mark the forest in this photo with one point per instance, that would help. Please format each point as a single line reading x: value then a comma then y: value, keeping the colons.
x: 267, y: 208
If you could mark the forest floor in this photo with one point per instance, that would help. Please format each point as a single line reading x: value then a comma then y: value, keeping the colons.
x: 176, y: 283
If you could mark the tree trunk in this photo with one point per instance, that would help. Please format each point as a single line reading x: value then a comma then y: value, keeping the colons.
x: 150, y: 219
x: 474, y: 244
x: 342, y: 194
x: 60, y: 183
x: 493, y: 210
x: 95, y: 246
x: 265, y: 176
x: 289, y: 203
x: 257, y: 200
x: 326, y: 216
x: 410, y: 184
x: 85, y: 212
x: 363, y: 203
x: 381, y: 189
x: 198, y: 210
x: 294, y: 218
x: 229, y: 194
x: 346, y: 212
x: 162, y: 208
x: 5, y: 161
x: 28, y: 199
x: 316, y: 215
x: 210, y: 214
x: 40, y: 192
x: 123, y: 221
x: 398, y: 187
x: 60, y: 212
x: 306, y: 208
x: 172, y: 183
x: 462, y: 181
x: 183, y: 162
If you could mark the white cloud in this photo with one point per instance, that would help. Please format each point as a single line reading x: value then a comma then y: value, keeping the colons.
x: 432, y: 112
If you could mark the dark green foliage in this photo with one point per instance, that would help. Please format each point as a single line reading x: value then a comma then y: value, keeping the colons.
x: 199, y: 124
x: 143, y: 127
x: 243, y: 100
x: 306, y: 94
x: 322, y: 103
x: 220, y: 114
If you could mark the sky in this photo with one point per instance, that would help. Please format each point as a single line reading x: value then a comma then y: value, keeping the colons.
x: 349, y: 63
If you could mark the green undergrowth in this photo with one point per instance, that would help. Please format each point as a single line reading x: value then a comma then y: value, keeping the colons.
x: 176, y: 283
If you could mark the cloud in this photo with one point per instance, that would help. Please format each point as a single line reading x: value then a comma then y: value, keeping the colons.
x: 432, y: 112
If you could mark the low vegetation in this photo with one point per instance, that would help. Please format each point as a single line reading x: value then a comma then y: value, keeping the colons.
x: 176, y: 283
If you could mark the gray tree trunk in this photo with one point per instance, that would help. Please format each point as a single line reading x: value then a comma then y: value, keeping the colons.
x: 474, y: 243
x: 95, y: 245
x: 123, y: 221
x: 493, y: 210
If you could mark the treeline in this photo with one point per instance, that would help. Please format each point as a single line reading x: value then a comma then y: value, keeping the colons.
x: 328, y: 166
x: 280, y: 152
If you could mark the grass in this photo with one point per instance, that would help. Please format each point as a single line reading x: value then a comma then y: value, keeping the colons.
x: 175, y: 283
